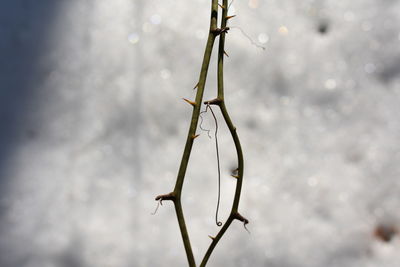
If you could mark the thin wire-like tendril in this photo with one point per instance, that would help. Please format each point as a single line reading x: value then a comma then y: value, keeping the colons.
x: 158, y: 205
x: 249, y: 38
x: 201, y: 123
x: 219, y: 223
x: 244, y: 225
x: 229, y: 6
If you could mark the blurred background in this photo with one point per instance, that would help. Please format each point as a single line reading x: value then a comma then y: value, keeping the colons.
x: 93, y: 128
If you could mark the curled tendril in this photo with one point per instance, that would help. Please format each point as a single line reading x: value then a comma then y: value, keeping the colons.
x: 208, y: 106
x: 217, y: 222
x: 201, y: 123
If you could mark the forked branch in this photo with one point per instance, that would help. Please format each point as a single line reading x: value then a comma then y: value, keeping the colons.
x: 175, y: 195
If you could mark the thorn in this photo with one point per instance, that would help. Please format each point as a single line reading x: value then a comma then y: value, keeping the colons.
x: 230, y: 17
x: 235, y: 172
x: 226, y: 54
x: 218, y: 31
x: 190, y: 102
x: 221, y: 6
x: 235, y: 176
x: 195, y: 136
x: 213, y: 238
x: 169, y: 196
x: 215, y: 101
x: 239, y: 217
x: 197, y: 86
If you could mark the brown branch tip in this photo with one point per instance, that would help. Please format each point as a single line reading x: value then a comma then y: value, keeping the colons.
x: 215, y: 101
x: 169, y: 196
x: 218, y: 31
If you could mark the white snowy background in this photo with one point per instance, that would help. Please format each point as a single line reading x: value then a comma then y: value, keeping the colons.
x: 93, y: 128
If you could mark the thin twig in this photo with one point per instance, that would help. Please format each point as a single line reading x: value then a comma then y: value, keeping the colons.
x: 175, y: 196
x: 234, y: 215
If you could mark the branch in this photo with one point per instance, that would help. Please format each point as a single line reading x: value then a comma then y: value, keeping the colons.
x: 219, y: 101
x: 192, y: 135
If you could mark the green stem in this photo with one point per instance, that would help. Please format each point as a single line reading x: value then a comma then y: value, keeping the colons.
x: 175, y: 196
x: 221, y: 103
x: 198, y: 100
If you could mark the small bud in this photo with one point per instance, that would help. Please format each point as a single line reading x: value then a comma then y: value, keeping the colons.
x: 221, y: 6
x: 235, y: 176
x: 195, y: 136
x: 197, y: 86
x: 229, y: 17
x: 213, y: 238
x: 226, y: 54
